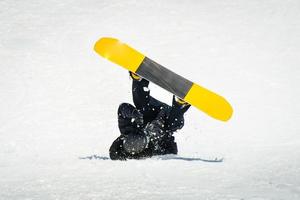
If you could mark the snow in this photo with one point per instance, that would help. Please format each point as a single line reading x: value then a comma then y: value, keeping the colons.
x: 58, y: 98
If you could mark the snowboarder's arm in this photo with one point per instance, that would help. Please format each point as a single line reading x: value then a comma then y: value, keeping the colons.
x: 116, y: 150
x: 128, y: 118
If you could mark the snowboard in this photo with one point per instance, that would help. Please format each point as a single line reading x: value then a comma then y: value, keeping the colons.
x: 205, y: 100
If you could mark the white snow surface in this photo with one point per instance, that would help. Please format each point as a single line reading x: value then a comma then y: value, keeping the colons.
x: 58, y: 98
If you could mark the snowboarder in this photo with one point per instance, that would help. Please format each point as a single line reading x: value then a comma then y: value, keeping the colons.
x: 147, y: 129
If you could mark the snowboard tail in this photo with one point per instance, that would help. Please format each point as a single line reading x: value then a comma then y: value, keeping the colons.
x: 209, y: 102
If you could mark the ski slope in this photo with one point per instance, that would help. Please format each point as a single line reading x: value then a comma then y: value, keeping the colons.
x: 58, y: 99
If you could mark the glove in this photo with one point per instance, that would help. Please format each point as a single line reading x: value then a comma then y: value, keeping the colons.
x: 137, y: 117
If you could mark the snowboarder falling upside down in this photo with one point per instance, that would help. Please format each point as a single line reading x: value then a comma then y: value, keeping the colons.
x: 147, y: 129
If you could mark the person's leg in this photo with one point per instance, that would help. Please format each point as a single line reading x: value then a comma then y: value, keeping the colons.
x: 144, y: 102
x: 140, y: 93
x: 175, y: 119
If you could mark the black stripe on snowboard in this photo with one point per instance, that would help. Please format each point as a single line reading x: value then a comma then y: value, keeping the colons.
x: 163, y: 77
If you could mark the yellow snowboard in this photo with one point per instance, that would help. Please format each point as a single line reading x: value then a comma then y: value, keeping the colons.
x: 205, y: 100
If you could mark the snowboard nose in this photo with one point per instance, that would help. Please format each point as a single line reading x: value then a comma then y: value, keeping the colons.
x: 119, y: 53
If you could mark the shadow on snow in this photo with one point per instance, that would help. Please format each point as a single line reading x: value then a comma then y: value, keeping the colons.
x: 165, y: 157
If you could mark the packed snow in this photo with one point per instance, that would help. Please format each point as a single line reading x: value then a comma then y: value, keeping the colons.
x: 59, y: 99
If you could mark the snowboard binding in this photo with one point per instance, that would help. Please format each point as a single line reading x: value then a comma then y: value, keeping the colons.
x: 134, y: 76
